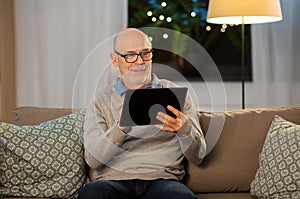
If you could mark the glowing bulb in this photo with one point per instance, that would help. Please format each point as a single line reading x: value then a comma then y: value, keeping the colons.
x: 169, y: 19
x: 208, y: 28
x: 163, y: 4
x: 224, y: 26
x: 165, y: 36
x: 222, y: 30
x: 193, y: 14
x: 161, y: 17
x: 149, y: 13
x: 153, y: 19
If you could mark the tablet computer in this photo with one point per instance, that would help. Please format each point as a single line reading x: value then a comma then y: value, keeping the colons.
x: 142, y: 105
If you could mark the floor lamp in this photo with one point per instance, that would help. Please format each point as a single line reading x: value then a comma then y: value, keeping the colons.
x: 243, y: 12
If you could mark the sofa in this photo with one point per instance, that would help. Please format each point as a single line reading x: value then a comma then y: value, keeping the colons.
x: 235, y: 144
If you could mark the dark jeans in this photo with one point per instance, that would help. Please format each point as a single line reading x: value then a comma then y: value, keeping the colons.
x: 139, y: 189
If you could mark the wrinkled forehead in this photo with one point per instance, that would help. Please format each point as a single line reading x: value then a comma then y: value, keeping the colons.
x: 131, y: 40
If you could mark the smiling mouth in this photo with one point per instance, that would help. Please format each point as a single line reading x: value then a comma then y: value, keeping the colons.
x: 140, y: 69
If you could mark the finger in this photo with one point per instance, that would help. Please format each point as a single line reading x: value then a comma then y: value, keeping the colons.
x: 160, y: 126
x: 165, y: 128
x: 170, y: 124
x: 166, y: 119
x: 176, y: 112
x: 161, y: 117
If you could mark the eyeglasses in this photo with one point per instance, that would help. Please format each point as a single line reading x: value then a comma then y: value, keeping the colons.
x: 132, y: 57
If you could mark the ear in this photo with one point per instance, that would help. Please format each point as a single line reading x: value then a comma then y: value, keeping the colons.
x: 114, y: 59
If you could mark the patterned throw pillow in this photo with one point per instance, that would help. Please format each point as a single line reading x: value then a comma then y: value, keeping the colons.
x: 278, y: 175
x: 42, y: 161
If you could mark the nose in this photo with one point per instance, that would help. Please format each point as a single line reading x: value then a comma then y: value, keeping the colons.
x: 139, y: 59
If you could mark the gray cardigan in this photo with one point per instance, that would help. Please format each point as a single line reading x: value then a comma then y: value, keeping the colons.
x: 142, y: 152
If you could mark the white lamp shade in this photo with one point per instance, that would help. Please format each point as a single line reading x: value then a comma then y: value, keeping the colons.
x: 243, y: 11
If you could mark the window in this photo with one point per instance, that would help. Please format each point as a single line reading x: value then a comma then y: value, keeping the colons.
x: 222, y: 42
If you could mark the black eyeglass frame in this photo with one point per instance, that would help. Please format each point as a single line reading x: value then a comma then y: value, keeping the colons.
x: 137, y: 55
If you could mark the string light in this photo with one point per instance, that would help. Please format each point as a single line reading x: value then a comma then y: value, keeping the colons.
x: 223, y: 29
x: 193, y: 14
x: 163, y: 4
x: 169, y: 19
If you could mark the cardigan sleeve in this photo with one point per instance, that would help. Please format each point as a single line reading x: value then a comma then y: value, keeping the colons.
x: 192, y: 140
x: 100, y: 141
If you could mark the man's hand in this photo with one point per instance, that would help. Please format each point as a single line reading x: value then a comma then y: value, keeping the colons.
x: 119, y: 108
x: 171, y: 124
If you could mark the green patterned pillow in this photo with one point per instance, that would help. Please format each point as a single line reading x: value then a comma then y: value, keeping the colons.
x: 278, y: 175
x: 46, y: 160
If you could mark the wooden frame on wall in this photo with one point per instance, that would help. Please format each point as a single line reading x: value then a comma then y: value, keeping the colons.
x: 7, y: 60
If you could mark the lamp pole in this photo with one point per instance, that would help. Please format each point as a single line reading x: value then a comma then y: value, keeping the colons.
x: 243, y: 63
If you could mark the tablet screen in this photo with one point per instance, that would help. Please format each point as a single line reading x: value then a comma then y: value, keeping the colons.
x: 142, y: 105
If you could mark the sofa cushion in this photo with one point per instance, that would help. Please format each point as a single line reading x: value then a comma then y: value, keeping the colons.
x: 232, y: 163
x: 279, y: 173
x: 46, y: 160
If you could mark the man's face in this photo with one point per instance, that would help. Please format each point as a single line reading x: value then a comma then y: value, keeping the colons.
x: 131, y: 46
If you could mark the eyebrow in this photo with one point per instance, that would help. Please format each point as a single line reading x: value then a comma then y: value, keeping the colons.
x: 134, y: 51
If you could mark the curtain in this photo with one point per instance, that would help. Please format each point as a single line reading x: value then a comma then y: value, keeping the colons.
x: 63, y: 49
x: 276, y: 59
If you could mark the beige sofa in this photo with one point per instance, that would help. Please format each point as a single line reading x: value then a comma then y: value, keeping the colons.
x: 231, y: 165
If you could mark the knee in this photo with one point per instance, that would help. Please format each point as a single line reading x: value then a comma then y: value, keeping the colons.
x: 173, y: 189
x: 86, y: 191
x: 182, y: 194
